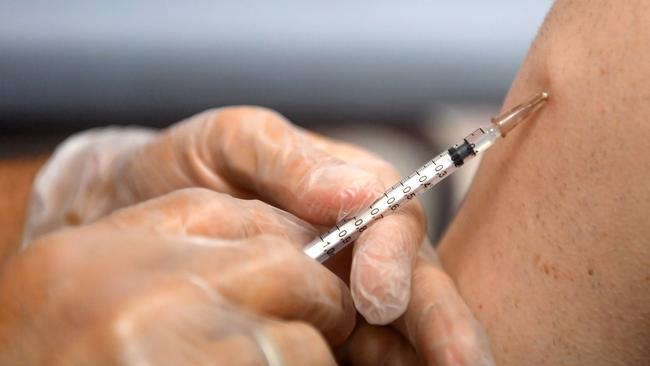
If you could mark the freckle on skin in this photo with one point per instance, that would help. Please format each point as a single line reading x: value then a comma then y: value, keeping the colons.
x: 71, y: 218
x: 546, y: 269
x: 590, y: 271
x: 536, y: 259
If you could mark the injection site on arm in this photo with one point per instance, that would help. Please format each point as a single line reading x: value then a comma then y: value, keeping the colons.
x: 433, y: 172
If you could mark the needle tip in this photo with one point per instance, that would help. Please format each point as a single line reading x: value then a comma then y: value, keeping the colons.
x: 512, y: 118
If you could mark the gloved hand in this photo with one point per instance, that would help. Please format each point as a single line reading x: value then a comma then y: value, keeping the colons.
x: 173, y: 281
x: 246, y: 152
x: 437, y: 329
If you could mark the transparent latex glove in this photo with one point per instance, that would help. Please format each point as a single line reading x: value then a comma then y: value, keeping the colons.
x: 247, y: 152
x: 437, y: 328
x: 184, y: 279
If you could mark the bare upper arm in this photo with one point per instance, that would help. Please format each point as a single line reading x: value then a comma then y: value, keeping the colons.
x: 552, y: 246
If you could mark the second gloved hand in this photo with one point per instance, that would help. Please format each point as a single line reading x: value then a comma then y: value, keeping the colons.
x: 193, y: 277
x: 247, y: 152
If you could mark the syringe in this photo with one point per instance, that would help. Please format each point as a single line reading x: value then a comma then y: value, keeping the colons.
x: 423, y: 179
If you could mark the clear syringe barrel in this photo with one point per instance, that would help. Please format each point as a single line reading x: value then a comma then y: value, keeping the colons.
x: 423, y: 179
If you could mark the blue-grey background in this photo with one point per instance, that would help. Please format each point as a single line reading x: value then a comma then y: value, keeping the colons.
x: 72, y: 64
x: 402, y: 78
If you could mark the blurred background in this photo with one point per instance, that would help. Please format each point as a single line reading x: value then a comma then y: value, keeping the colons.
x: 405, y: 79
